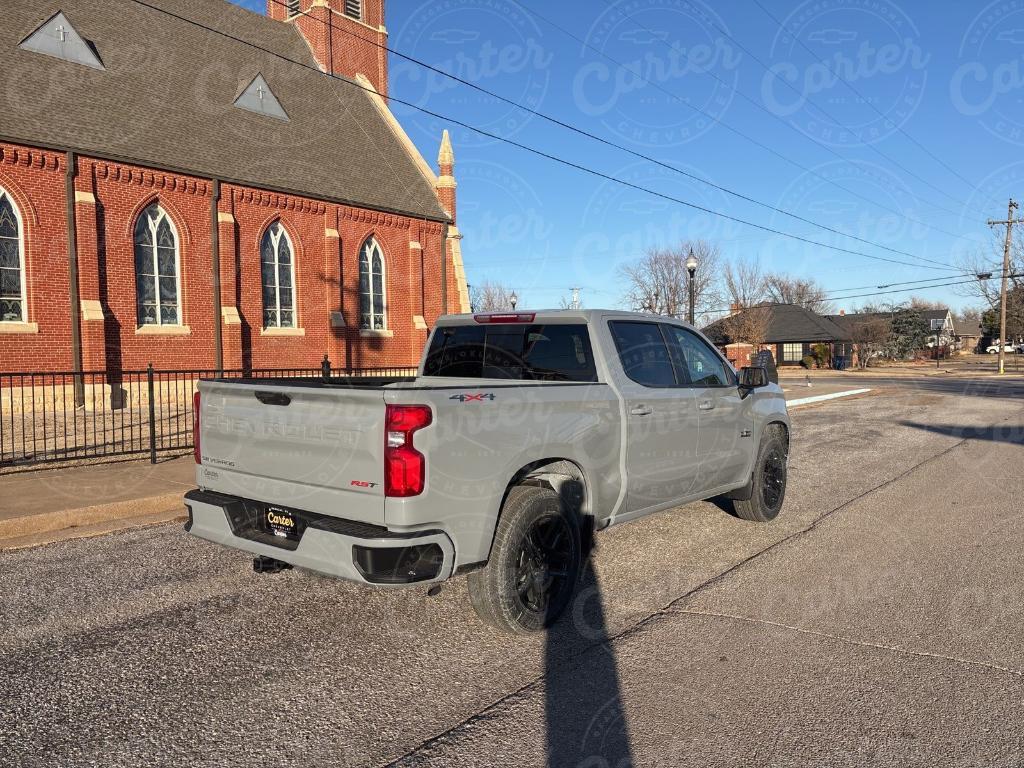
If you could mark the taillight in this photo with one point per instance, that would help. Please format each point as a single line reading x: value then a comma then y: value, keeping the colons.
x: 405, y: 468
x: 195, y: 428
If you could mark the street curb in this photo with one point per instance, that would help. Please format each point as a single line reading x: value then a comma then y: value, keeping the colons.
x: 86, y: 531
x: 115, y: 514
x: 822, y: 398
x: 896, y: 374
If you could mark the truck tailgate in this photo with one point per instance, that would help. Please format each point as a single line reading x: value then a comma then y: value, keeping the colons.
x: 319, y: 449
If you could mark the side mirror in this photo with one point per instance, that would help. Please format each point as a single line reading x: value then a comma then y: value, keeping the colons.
x: 752, y: 378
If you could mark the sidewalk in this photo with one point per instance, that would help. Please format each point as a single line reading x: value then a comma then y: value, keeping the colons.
x: 798, y: 372
x: 49, y: 504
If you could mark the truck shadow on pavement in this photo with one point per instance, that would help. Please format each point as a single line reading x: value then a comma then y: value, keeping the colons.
x: 586, y: 721
x: 1012, y: 434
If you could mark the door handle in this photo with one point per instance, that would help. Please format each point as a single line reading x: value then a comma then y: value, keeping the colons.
x: 706, y: 405
x: 641, y: 410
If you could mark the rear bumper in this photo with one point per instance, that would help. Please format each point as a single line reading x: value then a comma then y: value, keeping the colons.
x: 344, y: 549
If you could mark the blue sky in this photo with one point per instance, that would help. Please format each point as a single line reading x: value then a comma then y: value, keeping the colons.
x: 951, y: 75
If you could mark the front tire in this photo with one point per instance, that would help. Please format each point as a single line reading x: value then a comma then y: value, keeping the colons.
x: 768, y: 480
x: 534, y: 565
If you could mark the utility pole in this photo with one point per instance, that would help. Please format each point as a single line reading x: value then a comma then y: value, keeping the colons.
x: 1008, y: 244
x: 575, y: 298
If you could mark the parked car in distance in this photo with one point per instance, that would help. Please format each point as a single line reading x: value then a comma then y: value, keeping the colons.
x: 993, y: 349
x: 523, y: 433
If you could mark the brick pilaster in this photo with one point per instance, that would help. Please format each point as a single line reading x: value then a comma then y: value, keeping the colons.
x: 91, y: 273
x: 231, y: 323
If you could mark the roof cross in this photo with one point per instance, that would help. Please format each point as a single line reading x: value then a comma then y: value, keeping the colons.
x: 62, y: 33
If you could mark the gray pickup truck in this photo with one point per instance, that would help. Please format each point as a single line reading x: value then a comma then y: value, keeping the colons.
x: 522, y: 434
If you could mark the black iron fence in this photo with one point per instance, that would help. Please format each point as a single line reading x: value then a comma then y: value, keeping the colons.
x: 69, y: 416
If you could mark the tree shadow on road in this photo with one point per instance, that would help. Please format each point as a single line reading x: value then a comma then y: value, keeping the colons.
x: 586, y: 722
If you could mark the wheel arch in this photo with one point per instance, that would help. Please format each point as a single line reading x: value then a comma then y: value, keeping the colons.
x: 781, y: 425
x: 562, y: 475
x: 743, y: 493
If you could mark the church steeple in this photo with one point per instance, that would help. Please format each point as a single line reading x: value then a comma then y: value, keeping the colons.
x: 446, y: 178
x: 347, y: 37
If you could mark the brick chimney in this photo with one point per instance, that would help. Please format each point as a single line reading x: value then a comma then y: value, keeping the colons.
x: 347, y: 37
x: 446, y: 180
x: 842, y: 312
x: 735, y: 309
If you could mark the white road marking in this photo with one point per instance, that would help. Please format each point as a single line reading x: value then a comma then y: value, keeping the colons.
x: 819, y: 398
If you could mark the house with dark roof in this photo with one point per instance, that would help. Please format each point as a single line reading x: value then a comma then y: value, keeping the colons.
x: 791, y: 333
x: 194, y: 185
x: 968, y: 335
x: 939, y: 321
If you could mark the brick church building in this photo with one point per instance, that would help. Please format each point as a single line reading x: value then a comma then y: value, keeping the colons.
x: 188, y: 183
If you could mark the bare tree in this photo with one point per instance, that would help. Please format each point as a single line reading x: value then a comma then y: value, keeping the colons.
x: 989, y: 261
x: 804, y: 292
x: 749, y: 326
x: 916, y: 302
x: 658, y: 281
x: 970, y: 315
x: 744, y: 283
x: 492, y: 297
x: 870, y: 334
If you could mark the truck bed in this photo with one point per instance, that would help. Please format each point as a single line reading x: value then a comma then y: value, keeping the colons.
x: 343, y: 382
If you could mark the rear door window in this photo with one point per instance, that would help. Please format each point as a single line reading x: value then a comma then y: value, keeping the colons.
x: 643, y: 353
x: 512, y: 351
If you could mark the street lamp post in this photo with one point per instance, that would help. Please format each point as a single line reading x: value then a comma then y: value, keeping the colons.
x: 513, y: 299
x: 691, y: 267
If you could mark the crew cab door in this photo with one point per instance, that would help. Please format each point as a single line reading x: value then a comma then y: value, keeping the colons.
x: 726, y: 423
x: 661, y: 419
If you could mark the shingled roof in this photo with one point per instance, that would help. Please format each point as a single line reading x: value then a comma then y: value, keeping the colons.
x: 165, y: 95
x: 787, y: 323
x: 849, y: 320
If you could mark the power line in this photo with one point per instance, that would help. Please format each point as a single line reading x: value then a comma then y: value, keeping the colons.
x: 905, y: 282
x: 862, y: 295
x: 538, y: 152
x: 676, y: 97
x: 582, y: 132
x: 867, y: 101
x: 789, y: 85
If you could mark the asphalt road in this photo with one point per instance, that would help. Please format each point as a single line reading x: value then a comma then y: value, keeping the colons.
x: 876, y: 622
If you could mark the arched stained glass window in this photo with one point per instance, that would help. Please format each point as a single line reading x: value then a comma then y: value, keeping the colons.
x: 372, y: 303
x: 156, y: 268
x: 12, y: 262
x: 277, y: 263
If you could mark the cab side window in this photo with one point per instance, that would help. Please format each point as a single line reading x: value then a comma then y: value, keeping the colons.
x: 699, y: 360
x: 643, y: 353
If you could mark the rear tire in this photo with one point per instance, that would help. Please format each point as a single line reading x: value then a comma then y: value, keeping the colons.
x: 768, y: 479
x: 534, y: 565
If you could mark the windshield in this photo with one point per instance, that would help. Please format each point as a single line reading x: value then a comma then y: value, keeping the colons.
x: 512, y: 351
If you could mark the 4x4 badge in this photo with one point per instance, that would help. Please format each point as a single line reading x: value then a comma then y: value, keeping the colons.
x: 479, y: 397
